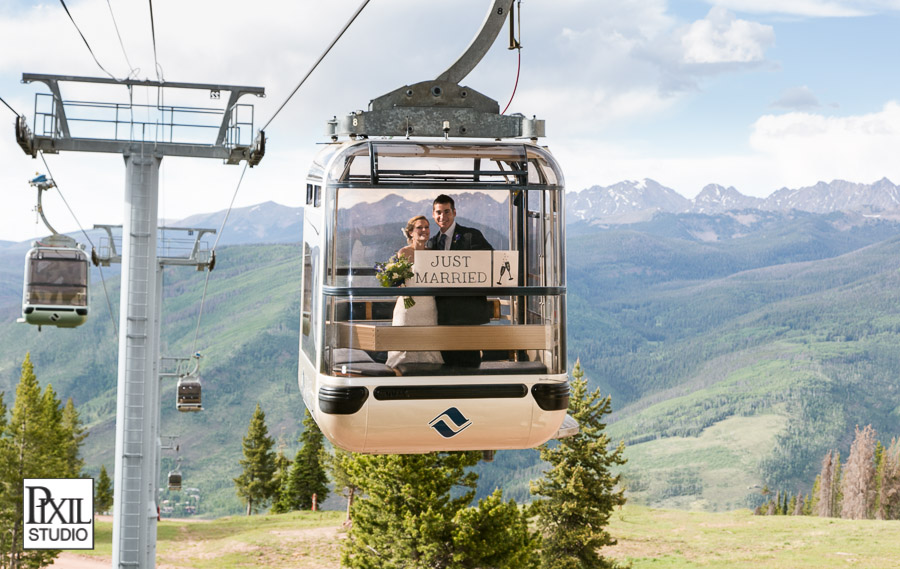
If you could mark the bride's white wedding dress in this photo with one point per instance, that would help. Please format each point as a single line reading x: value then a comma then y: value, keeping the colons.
x: 422, y: 313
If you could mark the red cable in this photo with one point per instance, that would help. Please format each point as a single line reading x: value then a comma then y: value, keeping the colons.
x: 518, y: 69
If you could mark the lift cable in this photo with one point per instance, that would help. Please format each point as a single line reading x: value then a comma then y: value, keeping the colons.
x: 318, y: 61
x: 63, y: 2
x: 132, y: 70
x: 516, y: 85
x: 516, y: 44
x: 213, y: 252
x: 244, y: 171
x: 153, y: 33
x: 86, y: 236
x: 9, y: 107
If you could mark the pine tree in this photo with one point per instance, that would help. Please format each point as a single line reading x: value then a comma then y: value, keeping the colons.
x: 836, y: 495
x: 877, y: 511
x: 75, y: 434
x: 33, y: 447
x: 256, y: 484
x: 338, y: 466
x: 103, y: 493
x: 280, y: 503
x: 307, y: 475
x: 825, y: 497
x: 2, y: 414
x: 409, y: 516
x: 7, y: 508
x: 812, y: 501
x: 890, y: 488
x: 797, y: 503
x: 51, y: 417
x: 578, y: 491
x: 858, y: 484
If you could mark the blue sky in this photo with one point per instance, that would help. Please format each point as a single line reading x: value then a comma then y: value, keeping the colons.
x: 755, y: 94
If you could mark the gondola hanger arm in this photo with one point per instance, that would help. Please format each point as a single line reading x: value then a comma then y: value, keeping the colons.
x: 480, y: 44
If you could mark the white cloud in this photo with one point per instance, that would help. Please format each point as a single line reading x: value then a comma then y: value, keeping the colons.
x: 587, y: 163
x: 587, y: 67
x: 722, y: 38
x: 803, y: 148
x: 788, y: 150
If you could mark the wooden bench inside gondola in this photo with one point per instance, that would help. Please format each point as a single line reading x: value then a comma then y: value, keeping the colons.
x: 356, y: 340
x: 376, y: 310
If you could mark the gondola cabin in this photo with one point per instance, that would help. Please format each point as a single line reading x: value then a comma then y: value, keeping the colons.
x: 378, y: 384
x: 188, y: 392
x: 174, y: 480
x: 56, y: 284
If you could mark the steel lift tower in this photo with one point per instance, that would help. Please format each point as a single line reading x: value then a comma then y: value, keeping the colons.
x: 63, y: 125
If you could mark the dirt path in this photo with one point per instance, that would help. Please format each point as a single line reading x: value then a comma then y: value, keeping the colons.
x: 72, y: 560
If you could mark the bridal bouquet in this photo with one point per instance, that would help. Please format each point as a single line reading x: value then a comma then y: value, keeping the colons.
x: 394, y: 273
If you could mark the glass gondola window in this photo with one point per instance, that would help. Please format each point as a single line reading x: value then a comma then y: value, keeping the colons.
x: 308, y: 310
x: 57, y: 277
x: 313, y: 195
x: 375, y: 188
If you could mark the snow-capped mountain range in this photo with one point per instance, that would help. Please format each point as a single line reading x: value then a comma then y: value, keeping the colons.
x: 630, y: 201
x: 623, y: 203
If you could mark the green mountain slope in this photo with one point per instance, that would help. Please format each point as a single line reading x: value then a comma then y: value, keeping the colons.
x: 810, y: 346
x: 248, y: 338
x: 732, y: 363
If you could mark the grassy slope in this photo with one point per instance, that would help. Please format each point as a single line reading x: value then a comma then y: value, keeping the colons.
x: 647, y: 538
x: 710, y: 472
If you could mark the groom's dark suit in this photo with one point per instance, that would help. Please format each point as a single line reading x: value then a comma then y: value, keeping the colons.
x: 462, y: 309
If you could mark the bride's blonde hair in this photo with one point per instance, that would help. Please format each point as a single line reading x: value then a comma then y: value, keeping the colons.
x: 410, y: 225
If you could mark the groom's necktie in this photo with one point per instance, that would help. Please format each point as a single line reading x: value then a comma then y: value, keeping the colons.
x: 442, y: 242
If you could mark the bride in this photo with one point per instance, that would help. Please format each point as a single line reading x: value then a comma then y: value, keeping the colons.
x: 424, y: 311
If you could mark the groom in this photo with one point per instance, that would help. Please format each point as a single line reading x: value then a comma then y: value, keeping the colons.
x: 458, y: 309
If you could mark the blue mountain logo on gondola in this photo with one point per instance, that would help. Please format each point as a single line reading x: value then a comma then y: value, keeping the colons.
x: 450, y: 423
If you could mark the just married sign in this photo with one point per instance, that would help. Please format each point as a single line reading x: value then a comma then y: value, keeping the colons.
x: 466, y: 269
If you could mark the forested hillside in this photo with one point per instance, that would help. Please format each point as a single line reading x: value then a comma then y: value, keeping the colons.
x: 793, y: 353
x: 248, y: 338
x: 737, y: 348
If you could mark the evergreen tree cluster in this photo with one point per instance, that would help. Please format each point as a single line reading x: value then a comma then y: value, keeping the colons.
x: 416, y: 511
x: 39, y: 438
x: 305, y: 477
x: 866, y: 486
x: 267, y: 477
